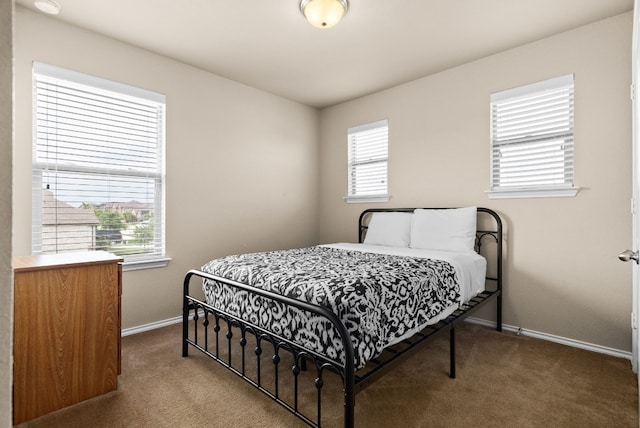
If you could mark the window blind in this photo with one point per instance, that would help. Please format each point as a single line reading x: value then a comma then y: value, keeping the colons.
x: 98, y: 166
x: 532, y: 136
x: 368, y: 158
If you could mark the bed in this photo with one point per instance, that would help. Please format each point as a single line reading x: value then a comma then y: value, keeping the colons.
x: 349, y: 309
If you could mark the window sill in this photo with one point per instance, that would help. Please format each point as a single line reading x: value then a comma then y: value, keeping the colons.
x: 366, y: 199
x: 533, y: 193
x: 145, y: 264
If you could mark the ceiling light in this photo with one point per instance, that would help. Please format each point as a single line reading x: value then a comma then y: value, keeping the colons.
x: 323, y: 13
x: 50, y: 7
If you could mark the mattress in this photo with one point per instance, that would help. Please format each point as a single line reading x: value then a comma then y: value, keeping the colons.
x: 381, y: 294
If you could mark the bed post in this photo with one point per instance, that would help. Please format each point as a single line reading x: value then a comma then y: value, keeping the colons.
x: 499, y: 273
x: 185, y: 314
x: 349, y: 398
x: 452, y: 352
x: 499, y: 313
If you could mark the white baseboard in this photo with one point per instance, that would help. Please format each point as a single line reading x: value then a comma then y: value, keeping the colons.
x: 531, y: 333
x: 556, y: 339
x: 151, y: 326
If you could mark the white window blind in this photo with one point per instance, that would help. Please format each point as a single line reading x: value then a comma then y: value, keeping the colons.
x: 98, y: 166
x: 368, y: 158
x: 532, y: 140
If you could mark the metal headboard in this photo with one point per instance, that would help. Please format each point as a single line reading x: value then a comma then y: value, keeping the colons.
x: 495, y: 231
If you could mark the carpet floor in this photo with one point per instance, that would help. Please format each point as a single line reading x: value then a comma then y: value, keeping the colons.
x: 503, y: 380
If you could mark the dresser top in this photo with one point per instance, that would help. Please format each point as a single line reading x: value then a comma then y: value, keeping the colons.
x: 48, y: 261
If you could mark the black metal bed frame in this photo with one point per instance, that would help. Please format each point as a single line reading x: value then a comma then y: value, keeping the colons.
x: 213, y: 333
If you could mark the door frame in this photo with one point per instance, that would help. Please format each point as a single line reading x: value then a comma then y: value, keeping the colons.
x: 635, y: 197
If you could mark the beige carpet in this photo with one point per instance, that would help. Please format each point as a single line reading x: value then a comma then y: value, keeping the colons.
x: 503, y: 380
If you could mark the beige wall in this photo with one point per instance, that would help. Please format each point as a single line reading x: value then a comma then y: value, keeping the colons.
x: 242, y: 168
x: 242, y: 164
x: 562, y: 274
x: 6, y: 282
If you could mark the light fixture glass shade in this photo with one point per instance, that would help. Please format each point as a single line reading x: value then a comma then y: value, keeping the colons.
x: 50, y: 7
x: 324, y: 13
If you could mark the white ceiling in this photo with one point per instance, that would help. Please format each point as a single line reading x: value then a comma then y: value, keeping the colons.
x: 268, y: 44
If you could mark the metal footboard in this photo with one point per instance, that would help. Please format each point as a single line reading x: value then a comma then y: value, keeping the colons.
x: 216, y: 319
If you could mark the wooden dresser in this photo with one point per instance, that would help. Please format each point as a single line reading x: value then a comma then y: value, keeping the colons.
x: 66, y: 330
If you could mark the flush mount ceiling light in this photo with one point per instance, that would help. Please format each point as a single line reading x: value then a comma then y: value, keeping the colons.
x: 323, y: 13
x: 50, y: 7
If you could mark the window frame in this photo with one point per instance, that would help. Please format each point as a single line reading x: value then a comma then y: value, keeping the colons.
x: 43, y: 72
x: 354, y: 132
x: 563, y: 139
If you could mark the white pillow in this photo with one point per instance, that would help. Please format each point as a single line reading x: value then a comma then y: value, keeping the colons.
x: 448, y: 229
x: 392, y: 229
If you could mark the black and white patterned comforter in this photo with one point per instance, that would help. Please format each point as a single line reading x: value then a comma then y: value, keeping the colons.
x: 380, y: 298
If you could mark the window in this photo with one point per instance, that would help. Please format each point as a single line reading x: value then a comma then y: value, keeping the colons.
x: 98, y: 167
x: 368, y: 158
x: 532, y: 140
